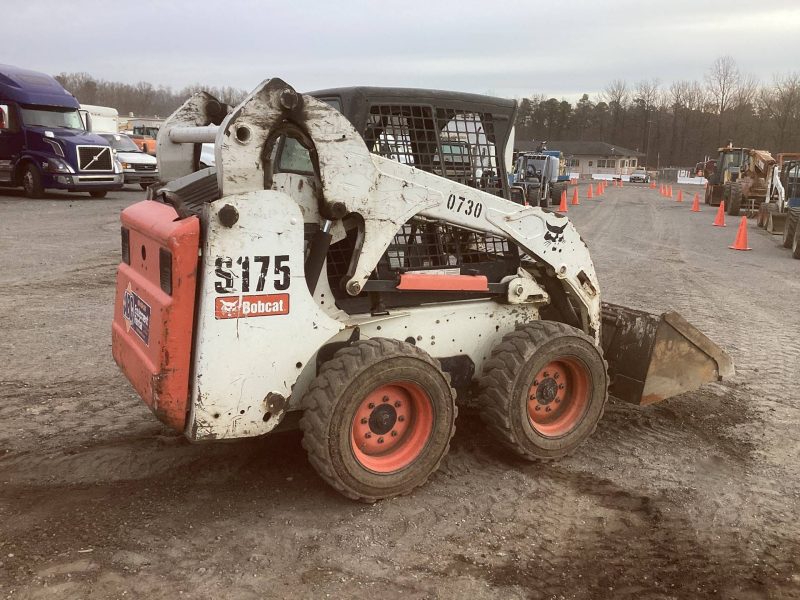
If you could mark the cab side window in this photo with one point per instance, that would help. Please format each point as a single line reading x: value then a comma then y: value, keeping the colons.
x: 5, y: 120
x: 292, y: 157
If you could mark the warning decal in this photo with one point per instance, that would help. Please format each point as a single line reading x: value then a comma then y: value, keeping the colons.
x: 260, y: 305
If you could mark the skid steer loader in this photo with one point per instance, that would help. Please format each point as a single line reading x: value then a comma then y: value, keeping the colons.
x: 324, y: 267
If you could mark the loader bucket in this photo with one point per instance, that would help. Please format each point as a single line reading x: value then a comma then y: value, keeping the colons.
x: 776, y: 223
x: 653, y: 357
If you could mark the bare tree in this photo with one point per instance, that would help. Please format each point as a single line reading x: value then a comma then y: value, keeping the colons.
x: 616, y: 94
x: 723, y: 82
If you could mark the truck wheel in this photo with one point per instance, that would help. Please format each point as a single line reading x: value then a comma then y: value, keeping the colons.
x: 790, y: 227
x: 555, y: 193
x: 734, y: 202
x: 796, y: 243
x: 544, y: 390
x: 378, y: 419
x: 98, y: 194
x: 32, y: 182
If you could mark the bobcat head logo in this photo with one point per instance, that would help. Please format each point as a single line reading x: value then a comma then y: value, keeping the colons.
x: 554, y: 235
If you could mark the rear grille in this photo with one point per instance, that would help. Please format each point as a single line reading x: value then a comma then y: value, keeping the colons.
x: 94, y: 158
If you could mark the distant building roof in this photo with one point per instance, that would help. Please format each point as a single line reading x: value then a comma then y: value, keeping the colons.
x: 578, y: 148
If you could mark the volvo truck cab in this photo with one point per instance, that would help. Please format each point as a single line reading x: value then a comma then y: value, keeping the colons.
x: 44, y: 143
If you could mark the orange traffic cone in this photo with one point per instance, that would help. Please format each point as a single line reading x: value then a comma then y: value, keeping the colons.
x: 652, y: 185
x: 741, y: 236
x: 719, y: 220
x: 680, y: 195
x: 589, y: 193
x: 696, y: 203
x: 563, y: 206
x: 575, y: 201
x: 621, y: 183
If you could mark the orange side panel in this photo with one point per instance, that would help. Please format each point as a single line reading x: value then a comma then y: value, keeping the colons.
x: 152, y: 330
x: 450, y: 283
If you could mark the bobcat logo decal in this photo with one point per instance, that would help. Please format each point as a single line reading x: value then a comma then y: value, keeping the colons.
x: 554, y: 236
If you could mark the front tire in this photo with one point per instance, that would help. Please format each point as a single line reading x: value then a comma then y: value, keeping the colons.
x: 790, y: 226
x: 98, y: 194
x: 378, y: 419
x: 32, y: 182
x: 544, y: 390
x: 734, y: 203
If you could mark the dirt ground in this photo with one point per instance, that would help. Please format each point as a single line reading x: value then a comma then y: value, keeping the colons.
x: 695, y: 498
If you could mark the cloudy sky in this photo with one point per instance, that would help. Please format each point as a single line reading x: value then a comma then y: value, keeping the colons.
x: 509, y: 48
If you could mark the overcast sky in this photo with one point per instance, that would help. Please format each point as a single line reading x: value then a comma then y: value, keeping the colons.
x: 514, y: 48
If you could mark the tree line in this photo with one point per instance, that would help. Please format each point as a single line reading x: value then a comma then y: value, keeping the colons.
x: 143, y: 99
x: 675, y: 125
x: 679, y: 124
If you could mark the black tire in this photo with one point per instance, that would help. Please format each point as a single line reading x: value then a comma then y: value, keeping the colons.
x: 726, y: 191
x: 98, y: 194
x: 734, y: 202
x: 556, y: 191
x: 709, y: 194
x: 510, y: 376
x: 144, y: 186
x: 796, y: 243
x: 336, y: 398
x: 790, y: 227
x: 535, y: 197
x: 32, y: 182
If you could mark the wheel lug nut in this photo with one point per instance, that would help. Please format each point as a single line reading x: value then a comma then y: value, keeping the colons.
x: 546, y: 374
x: 401, y: 418
x: 380, y: 440
x: 555, y: 375
x: 535, y: 382
x: 367, y: 435
x: 363, y: 421
x: 386, y: 398
x: 558, y: 400
x: 371, y: 405
x: 538, y: 407
x: 531, y: 397
x: 394, y: 433
x: 397, y: 404
x: 561, y: 386
x: 547, y: 409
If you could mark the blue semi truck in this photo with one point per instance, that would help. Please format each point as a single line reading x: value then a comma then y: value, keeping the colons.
x: 44, y: 142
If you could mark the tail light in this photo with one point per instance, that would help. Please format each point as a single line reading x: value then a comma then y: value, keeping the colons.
x: 165, y: 269
x: 126, y: 245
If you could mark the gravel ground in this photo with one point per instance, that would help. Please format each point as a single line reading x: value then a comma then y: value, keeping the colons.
x: 697, y: 497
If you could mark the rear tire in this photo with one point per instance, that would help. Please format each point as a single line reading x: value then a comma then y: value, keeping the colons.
x: 32, y: 182
x: 544, y: 390
x: 144, y: 186
x: 378, y: 419
x: 790, y: 227
x: 556, y: 191
x: 796, y: 243
x: 734, y: 202
x: 98, y: 194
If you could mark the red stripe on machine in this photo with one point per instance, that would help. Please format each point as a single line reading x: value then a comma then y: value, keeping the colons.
x: 449, y: 283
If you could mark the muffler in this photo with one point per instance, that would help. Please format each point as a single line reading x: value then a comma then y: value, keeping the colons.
x: 652, y: 357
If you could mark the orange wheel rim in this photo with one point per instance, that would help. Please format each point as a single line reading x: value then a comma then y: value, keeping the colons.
x: 558, y: 397
x: 391, y: 427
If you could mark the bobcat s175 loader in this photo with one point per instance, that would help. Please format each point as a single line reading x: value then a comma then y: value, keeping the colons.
x: 328, y: 266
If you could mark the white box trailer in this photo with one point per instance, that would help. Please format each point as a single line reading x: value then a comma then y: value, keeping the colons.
x: 101, y: 119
